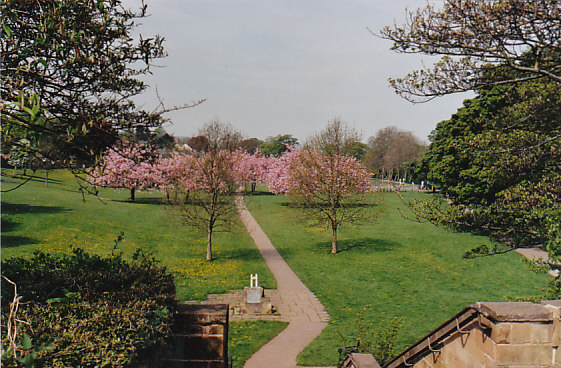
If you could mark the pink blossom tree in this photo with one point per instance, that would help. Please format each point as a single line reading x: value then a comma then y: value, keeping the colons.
x: 204, y: 185
x: 277, y: 175
x: 173, y: 172
x: 126, y: 165
x: 250, y: 169
x: 329, y: 188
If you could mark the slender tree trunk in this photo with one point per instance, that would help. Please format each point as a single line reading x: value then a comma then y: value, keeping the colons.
x: 132, y: 194
x: 253, y: 185
x: 209, y: 244
x: 333, y: 239
x: 15, y: 170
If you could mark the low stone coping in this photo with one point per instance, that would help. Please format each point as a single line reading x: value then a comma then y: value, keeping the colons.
x: 553, y: 303
x: 209, y: 309
x: 359, y: 360
x: 485, y: 314
x: 515, y: 311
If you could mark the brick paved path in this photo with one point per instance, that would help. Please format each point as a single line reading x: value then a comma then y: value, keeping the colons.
x: 295, y: 302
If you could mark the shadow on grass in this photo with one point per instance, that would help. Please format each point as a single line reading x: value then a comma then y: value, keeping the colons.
x: 18, y: 208
x: 298, y: 205
x: 148, y: 200
x: 9, y: 241
x: 358, y: 245
x: 258, y: 194
x: 8, y: 225
x: 34, y: 178
x: 241, y: 254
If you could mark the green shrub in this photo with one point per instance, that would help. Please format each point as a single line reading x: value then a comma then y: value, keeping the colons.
x: 90, y: 311
x: 378, y: 340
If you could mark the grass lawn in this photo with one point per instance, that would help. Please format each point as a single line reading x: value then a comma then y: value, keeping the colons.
x: 389, y: 268
x: 55, y: 219
x: 245, y: 338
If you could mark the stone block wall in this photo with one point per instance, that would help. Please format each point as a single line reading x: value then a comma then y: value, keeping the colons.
x: 519, y: 334
x: 200, y: 337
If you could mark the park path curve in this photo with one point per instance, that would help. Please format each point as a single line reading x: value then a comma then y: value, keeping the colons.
x: 296, y: 304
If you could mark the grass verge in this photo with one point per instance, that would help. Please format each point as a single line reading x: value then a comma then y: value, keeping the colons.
x: 246, y: 338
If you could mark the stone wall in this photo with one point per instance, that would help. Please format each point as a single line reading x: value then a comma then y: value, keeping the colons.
x: 513, y: 334
x: 200, y: 337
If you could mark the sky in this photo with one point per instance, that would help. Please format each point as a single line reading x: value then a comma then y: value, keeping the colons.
x: 284, y: 66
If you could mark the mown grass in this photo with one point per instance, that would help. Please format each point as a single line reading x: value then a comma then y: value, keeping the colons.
x: 56, y: 219
x: 391, y: 267
x: 246, y: 337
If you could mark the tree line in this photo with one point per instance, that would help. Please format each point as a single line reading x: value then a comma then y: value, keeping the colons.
x: 201, y: 181
x: 70, y: 70
x: 498, y: 159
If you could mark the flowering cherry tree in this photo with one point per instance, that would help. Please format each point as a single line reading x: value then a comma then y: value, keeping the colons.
x: 173, y: 173
x: 204, y: 185
x: 277, y: 174
x: 126, y: 165
x: 250, y: 169
x: 329, y: 188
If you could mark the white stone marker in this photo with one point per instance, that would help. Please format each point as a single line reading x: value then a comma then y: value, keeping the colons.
x: 252, y: 279
x: 253, y: 292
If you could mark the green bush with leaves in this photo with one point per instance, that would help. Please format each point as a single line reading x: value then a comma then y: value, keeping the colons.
x: 376, y: 339
x: 497, y: 162
x: 85, y: 310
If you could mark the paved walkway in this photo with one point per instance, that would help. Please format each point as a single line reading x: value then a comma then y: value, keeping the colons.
x: 536, y: 254
x: 295, y: 302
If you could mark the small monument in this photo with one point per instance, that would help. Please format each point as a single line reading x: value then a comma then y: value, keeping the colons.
x: 254, y: 300
x: 253, y: 293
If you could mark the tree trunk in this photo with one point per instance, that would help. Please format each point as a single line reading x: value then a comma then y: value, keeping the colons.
x: 253, y: 186
x: 132, y: 194
x: 333, y: 239
x: 209, y: 244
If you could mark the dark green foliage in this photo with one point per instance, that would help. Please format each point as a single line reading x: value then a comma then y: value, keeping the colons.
x: 498, y: 162
x: 357, y: 150
x: 96, y: 311
x: 276, y: 146
x: 484, y: 250
x: 69, y: 70
x: 379, y: 340
x: 45, y: 276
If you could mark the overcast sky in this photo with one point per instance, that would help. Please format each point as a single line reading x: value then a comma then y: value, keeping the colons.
x: 285, y: 66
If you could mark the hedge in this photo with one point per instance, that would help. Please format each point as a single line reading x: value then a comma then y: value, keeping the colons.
x: 83, y: 310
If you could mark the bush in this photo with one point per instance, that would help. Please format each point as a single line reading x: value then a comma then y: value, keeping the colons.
x: 90, y: 311
x: 378, y: 340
